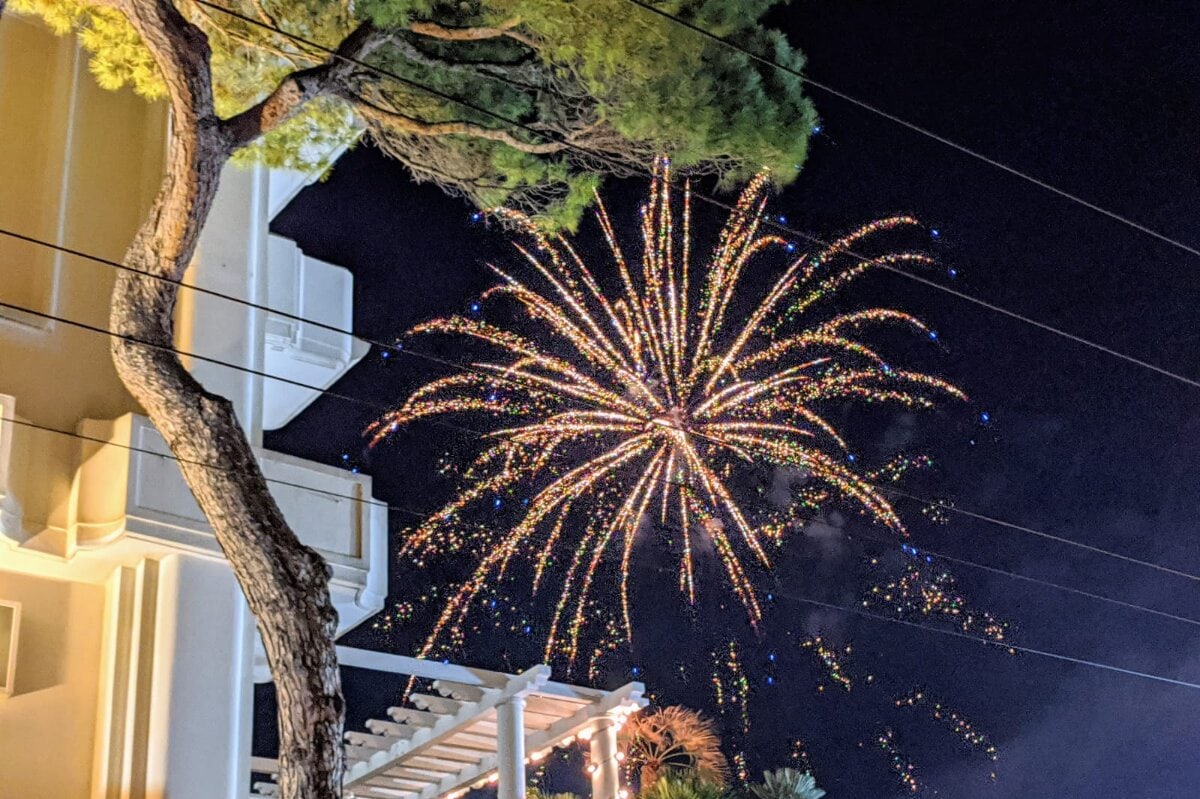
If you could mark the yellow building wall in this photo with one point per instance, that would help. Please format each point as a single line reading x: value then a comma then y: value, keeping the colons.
x: 79, y: 167
x: 47, y: 726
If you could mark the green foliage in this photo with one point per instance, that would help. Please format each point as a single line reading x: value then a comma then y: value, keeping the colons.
x: 787, y: 783
x: 118, y: 57
x: 676, y: 785
x: 307, y: 140
x: 621, y: 83
x: 659, y: 83
x: 533, y: 792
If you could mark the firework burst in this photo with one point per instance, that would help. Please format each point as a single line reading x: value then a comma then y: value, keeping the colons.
x: 632, y: 403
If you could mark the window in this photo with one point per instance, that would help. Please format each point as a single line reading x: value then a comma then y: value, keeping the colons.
x: 10, y: 623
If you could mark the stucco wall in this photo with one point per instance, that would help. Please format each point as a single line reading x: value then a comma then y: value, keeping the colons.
x: 47, y: 726
x: 79, y: 167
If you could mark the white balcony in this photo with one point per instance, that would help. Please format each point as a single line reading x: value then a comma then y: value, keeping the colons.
x: 130, y: 488
x: 306, y: 291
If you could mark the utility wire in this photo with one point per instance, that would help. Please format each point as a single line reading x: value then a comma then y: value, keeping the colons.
x: 1034, y: 580
x: 719, y: 203
x: 825, y: 87
x: 707, y: 437
x: 424, y: 515
x: 390, y: 506
x: 182, y: 353
x: 1031, y: 531
x: 502, y: 379
x: 989, y: 642
x: 768, y: 221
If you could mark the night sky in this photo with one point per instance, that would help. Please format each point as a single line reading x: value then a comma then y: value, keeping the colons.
x: 1090, y: 96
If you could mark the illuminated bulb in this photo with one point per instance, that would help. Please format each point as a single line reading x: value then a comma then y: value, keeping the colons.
x: 586, y: 735
x: 495, y: 778
x: 591, y: 769
x: 620, y: 756
x: 623, y: 794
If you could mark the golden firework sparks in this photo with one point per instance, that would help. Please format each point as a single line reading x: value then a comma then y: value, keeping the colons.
x: 637, y: 398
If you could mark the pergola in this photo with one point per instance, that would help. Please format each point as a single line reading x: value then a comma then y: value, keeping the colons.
x: 477, y: 728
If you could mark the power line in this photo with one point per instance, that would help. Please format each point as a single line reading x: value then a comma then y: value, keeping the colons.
x: 989, y: 642
x: 918, y: 129
x: 390, y: 506
x: 172, y: 457
x: 502, y: 379
x: 1034, y: 580
x: 857, y: 611
x: 182, y: 353
x: 565, y: 142
x: 1048, y: 536
x: 772, y: 223
x: 409, y: 511
x: 424, y: 515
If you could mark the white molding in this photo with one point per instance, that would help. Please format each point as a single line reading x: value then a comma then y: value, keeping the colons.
x: 10, y: 507
x: 8, y: 666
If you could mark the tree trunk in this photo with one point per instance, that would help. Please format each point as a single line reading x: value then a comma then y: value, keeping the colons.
x: 285, y: 582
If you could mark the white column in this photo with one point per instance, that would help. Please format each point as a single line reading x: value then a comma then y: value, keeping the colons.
x: 606, y: 771
x: 200, y: 694
x: 510, y: 755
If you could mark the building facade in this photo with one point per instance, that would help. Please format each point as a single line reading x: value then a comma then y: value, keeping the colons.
x: 127, y: 654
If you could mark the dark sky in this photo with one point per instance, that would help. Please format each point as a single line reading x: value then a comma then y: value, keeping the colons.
x: 1101, y: 100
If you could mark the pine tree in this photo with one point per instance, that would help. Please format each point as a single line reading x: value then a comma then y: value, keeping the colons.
x: 570, y: 92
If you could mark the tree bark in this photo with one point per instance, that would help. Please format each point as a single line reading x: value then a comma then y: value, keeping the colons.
x: 285, y: 582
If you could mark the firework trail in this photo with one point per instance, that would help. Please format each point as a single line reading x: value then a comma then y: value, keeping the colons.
x: 631, y: 406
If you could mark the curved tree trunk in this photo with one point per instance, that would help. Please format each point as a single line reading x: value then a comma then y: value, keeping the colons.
x: 285, y: 582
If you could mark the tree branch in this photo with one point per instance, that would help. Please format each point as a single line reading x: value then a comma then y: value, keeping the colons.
x: 521, y: 74
x: 307, y: 84
x: 505, y: 29
x: 406, y: 124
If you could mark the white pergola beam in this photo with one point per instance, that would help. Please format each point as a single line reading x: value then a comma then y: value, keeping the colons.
x: 369, y: 741
x: 438, y: 704
x: 447, y: 725
x: 416, y: 667
x: 629, y: 695
x: 391, y: 729
x: 458, y: 735
x: 378, y: 792
x: 459, y: 691
x: 457, y: 754
x: 408, y: 715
